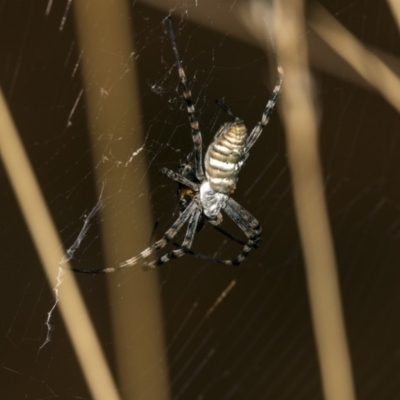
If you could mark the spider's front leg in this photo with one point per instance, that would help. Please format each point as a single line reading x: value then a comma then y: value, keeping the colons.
x: 186, y: 244
x: 167, y: 237
x: 248, y: 224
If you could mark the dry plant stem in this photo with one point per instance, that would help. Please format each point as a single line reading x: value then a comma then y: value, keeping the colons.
x: 300, y: 121
x: 114, y: 115
x: 50, y: 251
x: 367, y: 64
x: 395, y: 7
x: 219, y: 17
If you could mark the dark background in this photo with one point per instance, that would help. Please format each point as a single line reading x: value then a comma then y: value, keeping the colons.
x: 259, y: 342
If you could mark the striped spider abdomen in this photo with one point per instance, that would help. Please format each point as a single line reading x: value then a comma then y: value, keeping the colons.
x: 225, y: 156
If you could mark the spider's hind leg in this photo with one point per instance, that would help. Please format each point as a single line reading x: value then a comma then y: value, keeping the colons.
x: 266, y: 115
x: 226, y: 109
x: 190, y: 108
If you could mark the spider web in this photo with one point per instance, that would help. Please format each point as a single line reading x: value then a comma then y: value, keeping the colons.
x: 228, y: 333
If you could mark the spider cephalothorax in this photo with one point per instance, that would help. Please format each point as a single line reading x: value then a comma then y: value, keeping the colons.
x: 204, y: 189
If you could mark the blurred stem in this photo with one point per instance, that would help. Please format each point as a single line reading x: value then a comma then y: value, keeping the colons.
x: 114, y: 114
x: 301, y: 123
x: 50, y: 250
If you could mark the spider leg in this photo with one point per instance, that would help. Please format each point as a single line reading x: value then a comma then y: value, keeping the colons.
x: 247, y: 223
x: 226, y: 109
x: 256, y: 132
x: 180, y: 179
x: 228, y: 235
x: 186, y: 244
x: 187, y: 95
x: 168, y: 236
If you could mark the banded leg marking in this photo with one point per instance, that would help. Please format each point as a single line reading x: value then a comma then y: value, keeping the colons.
x: 187, y: 95
x: 186, y: 244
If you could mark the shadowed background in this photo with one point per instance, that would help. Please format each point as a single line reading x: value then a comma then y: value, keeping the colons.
x: 257, y: 342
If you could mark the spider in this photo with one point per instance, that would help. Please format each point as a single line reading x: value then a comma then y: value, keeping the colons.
x: 204, y: 190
